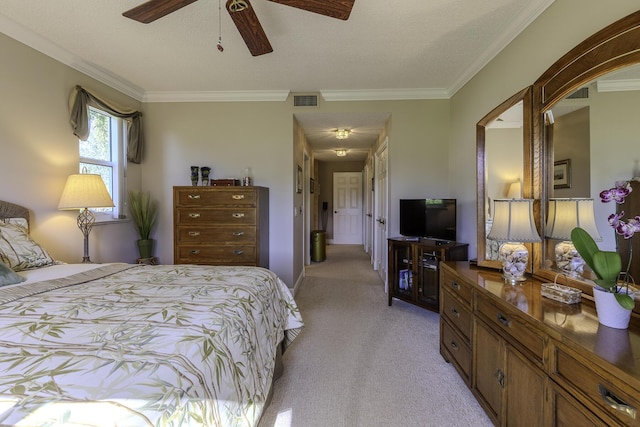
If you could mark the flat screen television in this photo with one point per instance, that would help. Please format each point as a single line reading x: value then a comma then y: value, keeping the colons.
x: 431, y: 218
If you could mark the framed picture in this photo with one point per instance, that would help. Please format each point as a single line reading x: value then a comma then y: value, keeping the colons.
x: 562, y: 174
x: 311, y: 185
x: 299, y: 180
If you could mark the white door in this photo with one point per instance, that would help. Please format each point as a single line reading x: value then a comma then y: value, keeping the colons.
x: 347, y: 208
x: 380, y: 195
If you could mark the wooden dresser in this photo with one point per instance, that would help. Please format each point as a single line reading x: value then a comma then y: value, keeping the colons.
x: 532, y: 361
x: 221, y: 225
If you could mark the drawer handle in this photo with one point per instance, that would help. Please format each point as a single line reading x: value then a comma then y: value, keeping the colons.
x: 194, y: 215
x: 455, y: 312
x: 454, y: 345
x: 500, y: 377
x: 616, y: 403
x: 237, y: 196
x: 194, y: 233
x: 506, y: 322
x: 195, y: 252
x: 237, y: 215
x: 455, y: 285
x: 194, y: 196
x: 238, y: 233
x: 238, y: 252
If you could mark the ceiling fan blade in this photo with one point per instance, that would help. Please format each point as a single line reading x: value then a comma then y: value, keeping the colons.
x: 155, y: 9
x: 340, y: 9
x: 249, y: 27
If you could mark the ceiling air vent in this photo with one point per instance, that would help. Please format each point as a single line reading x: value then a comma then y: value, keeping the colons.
x: 306, y: 100
x: 582, y: 93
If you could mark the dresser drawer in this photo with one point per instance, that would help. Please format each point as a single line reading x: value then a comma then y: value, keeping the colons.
x: 452, y: 344
x: 521, y: 332
x: 218, y: 235
x: 457, y: 287
x: 215, y: 197
x: 458, y: 314
x: 227, y: 216
x: 615, y: 400
x: 239, y: 254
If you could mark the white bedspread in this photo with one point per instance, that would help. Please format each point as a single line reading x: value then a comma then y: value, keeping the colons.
x: 142, y: 345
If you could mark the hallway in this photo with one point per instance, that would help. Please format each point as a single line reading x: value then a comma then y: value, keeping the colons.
x: 359, y: 362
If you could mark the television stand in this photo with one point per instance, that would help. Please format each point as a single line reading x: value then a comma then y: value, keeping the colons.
x: 414, y: 268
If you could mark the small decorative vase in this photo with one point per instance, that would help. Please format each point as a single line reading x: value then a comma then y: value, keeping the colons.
x: 194, y: 175
x: 610, y: 313
x: 204, y: 172
x: 514, y: 258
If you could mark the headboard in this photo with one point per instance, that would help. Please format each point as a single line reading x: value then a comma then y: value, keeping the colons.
x: 11, y: 210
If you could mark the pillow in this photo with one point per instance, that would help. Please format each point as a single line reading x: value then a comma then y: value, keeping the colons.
x: 18, y: 251
x: 8, y: 276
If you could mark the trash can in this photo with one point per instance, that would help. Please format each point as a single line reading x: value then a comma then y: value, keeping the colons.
x: 318, y: 250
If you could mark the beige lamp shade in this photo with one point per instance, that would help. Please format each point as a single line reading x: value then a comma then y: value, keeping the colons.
x: 85, y: 191
x: 567, y: 214
x: 513, y: 221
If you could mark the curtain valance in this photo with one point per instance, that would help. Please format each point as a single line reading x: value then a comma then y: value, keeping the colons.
x: 80, y: 101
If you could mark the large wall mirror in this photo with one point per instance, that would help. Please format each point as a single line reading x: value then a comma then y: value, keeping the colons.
x: 586, y: 120
x: 503, y: 154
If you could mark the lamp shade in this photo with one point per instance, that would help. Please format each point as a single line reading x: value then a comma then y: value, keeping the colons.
x: 567, y: 214
x: 85, y: 191
x: 513, y: 221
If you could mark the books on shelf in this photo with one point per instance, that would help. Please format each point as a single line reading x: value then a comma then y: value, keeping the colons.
x: 405, y: 282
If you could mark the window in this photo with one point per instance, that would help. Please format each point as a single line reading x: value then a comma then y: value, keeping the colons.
x: 103, y: 154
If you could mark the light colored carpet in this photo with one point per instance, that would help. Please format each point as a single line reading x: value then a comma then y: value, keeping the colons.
x: 359, y: 362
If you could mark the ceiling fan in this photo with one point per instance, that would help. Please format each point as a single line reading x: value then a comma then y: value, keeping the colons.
x: 243, y: 16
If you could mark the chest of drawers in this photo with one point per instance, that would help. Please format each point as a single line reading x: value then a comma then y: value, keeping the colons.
x: 221, y: 225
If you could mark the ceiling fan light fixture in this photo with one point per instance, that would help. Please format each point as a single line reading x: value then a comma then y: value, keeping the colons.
x: 341, y: 153
x: 238, y: 6
x: 342, y: 133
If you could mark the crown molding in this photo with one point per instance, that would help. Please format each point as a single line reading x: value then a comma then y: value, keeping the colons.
x: 217, y: 96
x: 621, y: 85
x: 529, y: 14
x: 52, y: 50
x: 384, y: 94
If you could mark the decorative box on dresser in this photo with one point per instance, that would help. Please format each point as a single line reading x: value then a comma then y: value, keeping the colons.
x: 532, y: 361
x: 221, y: 225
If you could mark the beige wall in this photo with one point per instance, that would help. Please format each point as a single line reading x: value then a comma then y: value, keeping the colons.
x: 557, y: 30
x: 431, y: 142
x: 38, y: 151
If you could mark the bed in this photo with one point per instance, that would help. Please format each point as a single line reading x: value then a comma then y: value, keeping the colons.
x: 135, y: 345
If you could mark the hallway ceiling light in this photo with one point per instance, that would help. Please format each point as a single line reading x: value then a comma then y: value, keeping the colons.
x: 341, y: 153
x: 342, y: 133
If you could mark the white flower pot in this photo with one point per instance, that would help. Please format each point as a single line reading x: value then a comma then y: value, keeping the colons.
x: 610, y: 313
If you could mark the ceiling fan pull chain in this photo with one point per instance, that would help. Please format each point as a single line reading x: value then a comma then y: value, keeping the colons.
x: 220, y: 48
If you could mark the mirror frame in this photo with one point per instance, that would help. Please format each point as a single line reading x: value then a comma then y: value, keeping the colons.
x: 525, y: 96
x: 614, y: 47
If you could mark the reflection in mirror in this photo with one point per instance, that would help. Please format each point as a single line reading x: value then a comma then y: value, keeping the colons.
x: 503, y: 144
x: 593, y: 139
x: 602, y: 75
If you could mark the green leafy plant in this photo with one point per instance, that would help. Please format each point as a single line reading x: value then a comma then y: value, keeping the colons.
x: 606, y: 265
x: 144, y: 212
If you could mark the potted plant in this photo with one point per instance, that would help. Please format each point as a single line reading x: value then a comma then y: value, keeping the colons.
x: 607, y: 265
x: 144, y: 212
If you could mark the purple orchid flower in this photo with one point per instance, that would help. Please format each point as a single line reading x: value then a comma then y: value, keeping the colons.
x: 617, y: 193
x: 622, y: 228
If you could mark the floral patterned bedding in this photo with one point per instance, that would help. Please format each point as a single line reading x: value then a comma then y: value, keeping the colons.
x: 128, y: 345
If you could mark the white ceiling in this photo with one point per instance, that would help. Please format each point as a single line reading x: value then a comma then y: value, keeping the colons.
x: 411, y: 49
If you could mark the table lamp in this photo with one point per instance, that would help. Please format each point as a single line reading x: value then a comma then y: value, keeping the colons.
x: 513, y: 225
x: 564, y: 216
x: 84, y: 191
